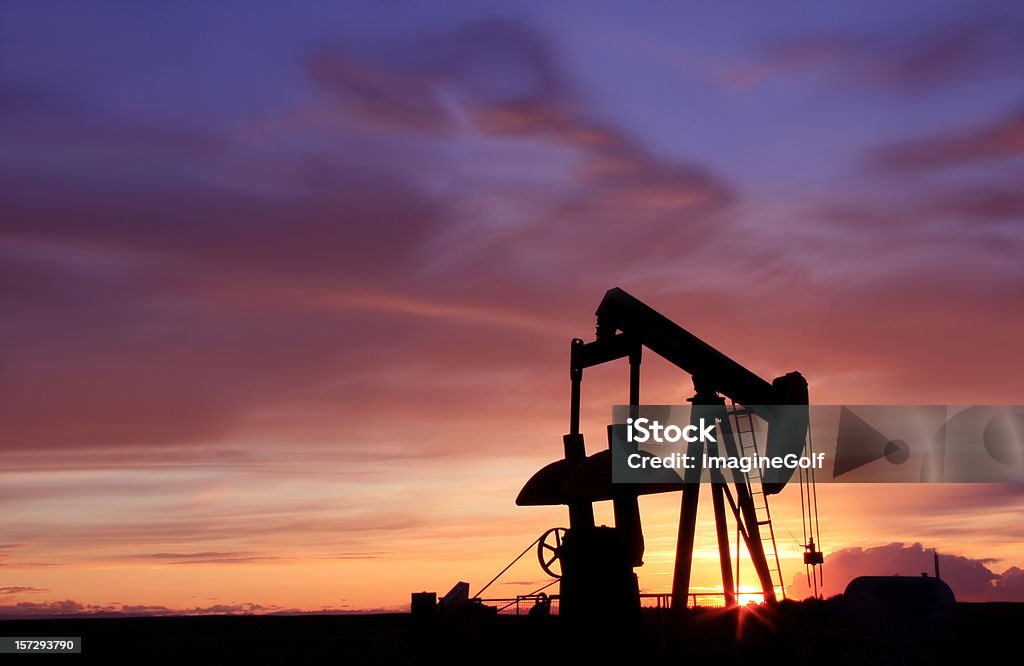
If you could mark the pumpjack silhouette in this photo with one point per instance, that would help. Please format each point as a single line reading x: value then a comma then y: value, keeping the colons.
x: 596, y: 563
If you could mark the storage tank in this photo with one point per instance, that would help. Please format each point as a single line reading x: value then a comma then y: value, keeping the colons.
x: 895, y: 602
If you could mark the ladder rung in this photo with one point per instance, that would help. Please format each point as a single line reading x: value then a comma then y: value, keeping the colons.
x: 742, y: 420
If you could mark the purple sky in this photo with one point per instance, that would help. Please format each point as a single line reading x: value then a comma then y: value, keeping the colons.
x: 245, y: 250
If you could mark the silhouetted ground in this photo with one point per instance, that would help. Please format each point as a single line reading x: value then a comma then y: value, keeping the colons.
x: 793, y: 633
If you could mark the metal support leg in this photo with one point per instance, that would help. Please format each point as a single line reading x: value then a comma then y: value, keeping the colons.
x: 724, y: 556
x: 684, y: 546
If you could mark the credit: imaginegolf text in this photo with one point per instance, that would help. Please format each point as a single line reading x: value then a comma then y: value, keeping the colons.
x: 643, y: 430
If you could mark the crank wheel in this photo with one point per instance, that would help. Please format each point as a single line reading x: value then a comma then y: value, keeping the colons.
x: 549, y: 551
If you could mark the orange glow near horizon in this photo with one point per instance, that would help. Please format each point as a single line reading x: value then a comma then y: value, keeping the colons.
x: 319, y: 529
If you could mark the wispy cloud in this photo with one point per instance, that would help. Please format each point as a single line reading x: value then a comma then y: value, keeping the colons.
x: 71, y: 608
x: 938, y: 51
x: 21, y: 589
x: 991, y: 142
